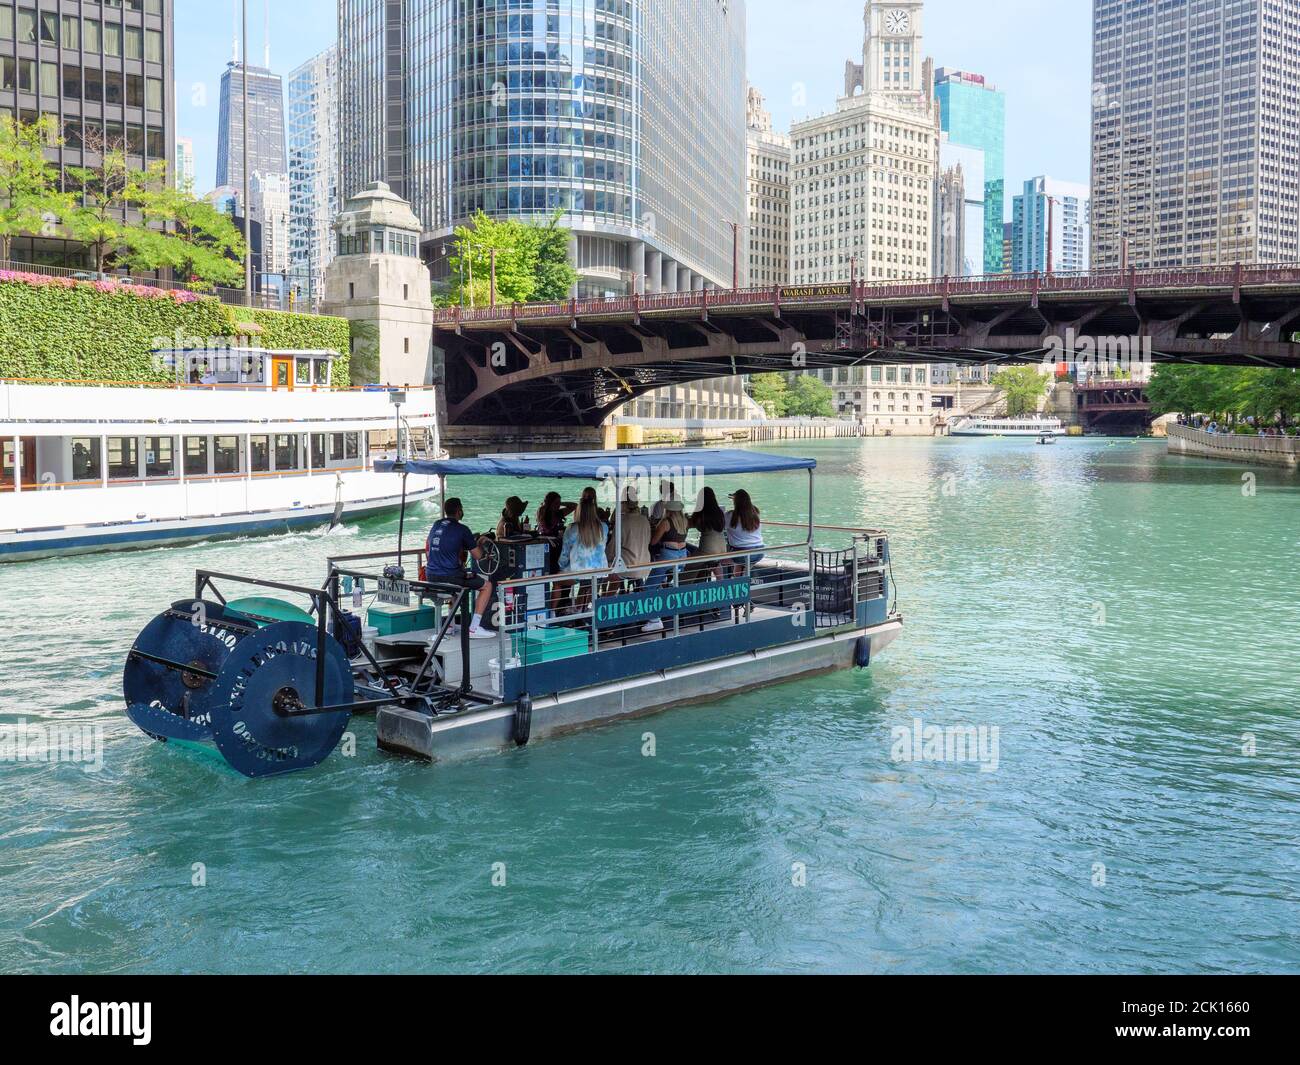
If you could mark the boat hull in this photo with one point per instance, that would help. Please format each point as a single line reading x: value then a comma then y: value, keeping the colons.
x: 1027, y: 433
x: 58, y: 543
x: 412, y: 733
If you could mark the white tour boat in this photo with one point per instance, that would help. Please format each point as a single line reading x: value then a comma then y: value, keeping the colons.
x: 262, y: 446
x: 1037, y: 426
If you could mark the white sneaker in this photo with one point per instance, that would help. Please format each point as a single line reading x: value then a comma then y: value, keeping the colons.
x: 653, y: 626
x: 481, y: 634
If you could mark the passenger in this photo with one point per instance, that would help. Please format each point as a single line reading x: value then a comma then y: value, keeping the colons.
x: 667, y: 494
x: 550, y: 526
x: 551, y: 516
x: 667, y: 544
x: 447, y: 547
x: 709, y: 521
x: 635, y: 548
x: 513, y: 524
x: 583, y: 549
x: 744, y: 531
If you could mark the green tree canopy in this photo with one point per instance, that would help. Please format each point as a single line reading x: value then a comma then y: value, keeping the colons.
x: 29, y: 196
x: 532, y: 262
x: 769, y: 391
x: 1024, y: 387
x: 1225, y: 392
x: 810, y: 397
x: 201, y: 245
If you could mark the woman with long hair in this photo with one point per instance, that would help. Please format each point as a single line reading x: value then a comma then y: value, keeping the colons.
x: 709, y: 521
x: 744, y: 530
x: 584, y: 543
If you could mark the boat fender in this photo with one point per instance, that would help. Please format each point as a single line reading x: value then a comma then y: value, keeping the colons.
x: 523, y: 730
x: 862, y: 652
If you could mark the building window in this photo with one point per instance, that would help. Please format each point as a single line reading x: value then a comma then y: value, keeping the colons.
x: 260, y: 448
x: 159, y: 457
x: 85, y: 460
x: 196, y: 456
x: 123, y: 458
x: 225, y: 455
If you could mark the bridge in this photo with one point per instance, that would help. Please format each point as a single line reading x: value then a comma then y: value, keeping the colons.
x: 1113, y: 405
x: 574, y: 363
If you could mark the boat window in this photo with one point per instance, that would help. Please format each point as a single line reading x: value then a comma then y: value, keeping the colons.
x: 123, y: 458
x: 260, y: 447
x: 159, y: 457
x: 336, y: 447
x: 225, y: 455
x: 317, y: 450
x: 286, y: 452
x: 304, y: 371
x: 85, y: 460
x: 351, y: 445
x: 321, y: 373
x: 196, y: 456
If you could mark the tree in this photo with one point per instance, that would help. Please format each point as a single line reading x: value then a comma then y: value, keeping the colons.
x: 29, y: 196
x: 1024, y: 387
x: 1225, y: 393
x: 532, y: 262
x: 810, y: 397
x: 104, y: 197
x: 199, y: 243
x: 769, y: 391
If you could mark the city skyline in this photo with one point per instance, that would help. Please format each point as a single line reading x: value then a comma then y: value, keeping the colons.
x: 795, y: 63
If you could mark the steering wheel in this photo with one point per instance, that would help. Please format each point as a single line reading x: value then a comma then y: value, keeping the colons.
x: 490, y: 564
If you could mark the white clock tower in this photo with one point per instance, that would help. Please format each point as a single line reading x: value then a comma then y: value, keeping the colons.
x: 893, y: 56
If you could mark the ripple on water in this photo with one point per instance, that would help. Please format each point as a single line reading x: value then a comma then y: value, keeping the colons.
x: 1125, y: 622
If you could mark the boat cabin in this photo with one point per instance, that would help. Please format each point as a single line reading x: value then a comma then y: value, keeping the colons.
x: 248, y: 368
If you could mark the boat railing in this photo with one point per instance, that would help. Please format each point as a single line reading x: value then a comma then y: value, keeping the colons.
x: 815, y: 587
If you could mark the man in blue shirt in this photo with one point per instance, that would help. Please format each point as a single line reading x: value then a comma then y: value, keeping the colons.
x: 449, y: 543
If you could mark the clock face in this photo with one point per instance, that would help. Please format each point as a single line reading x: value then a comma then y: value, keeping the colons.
x: 898, y: 21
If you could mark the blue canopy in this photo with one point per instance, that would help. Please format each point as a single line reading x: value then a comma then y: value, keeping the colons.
x: 599, y: 465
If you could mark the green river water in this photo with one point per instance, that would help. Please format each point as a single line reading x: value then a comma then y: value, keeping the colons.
x: 1128, y: 622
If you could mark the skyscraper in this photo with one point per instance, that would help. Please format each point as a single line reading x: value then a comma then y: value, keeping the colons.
x: 973, y: 115
x: 768, y: 233
x: 313, y: 171
x: 183, y: 172
x: 959, y: 220
x: 266, y: 153
x: 862, y: 199
x: 862, y: 185
x: 1195, y: 136
x: 106, y: 78
x: 598, y: 111
x: 1056, y: 207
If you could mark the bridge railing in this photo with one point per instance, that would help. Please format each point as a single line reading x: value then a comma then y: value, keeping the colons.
x: 834, y: 294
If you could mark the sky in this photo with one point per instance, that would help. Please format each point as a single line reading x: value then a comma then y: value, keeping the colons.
x: 1038, y: 52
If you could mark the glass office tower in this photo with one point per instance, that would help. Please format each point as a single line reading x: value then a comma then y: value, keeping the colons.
x: 626, y: 115
x: 974, y: 115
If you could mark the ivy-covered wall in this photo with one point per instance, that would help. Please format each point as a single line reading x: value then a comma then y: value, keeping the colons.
x: 79, y: 331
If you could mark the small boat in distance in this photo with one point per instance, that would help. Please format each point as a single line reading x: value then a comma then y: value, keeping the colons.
x: 264, y: 444
x: 971, y: 425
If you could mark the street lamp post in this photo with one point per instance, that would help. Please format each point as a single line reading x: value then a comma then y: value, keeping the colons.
x: 735, y: 252
x: 248, y: 220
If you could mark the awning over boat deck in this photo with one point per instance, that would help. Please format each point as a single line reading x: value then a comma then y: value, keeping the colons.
x: 601, y: 465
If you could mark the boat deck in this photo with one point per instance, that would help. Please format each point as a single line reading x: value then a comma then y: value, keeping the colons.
x: 412, y: 646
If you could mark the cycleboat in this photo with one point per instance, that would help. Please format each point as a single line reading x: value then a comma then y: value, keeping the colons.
x: 271, y: 680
